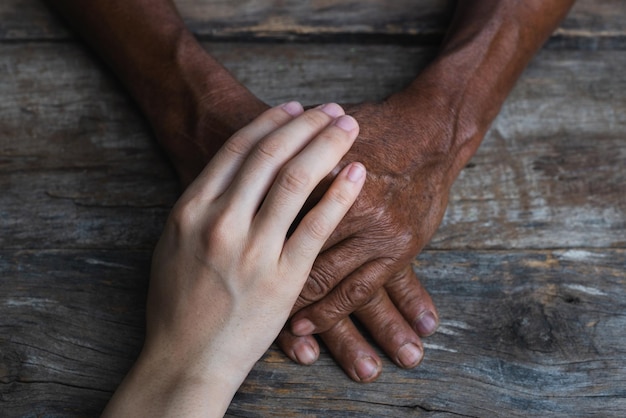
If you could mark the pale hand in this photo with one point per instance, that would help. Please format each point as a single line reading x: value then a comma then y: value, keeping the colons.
x: 226, y: 272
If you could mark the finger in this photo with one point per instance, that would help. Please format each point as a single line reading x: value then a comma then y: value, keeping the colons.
x: 352, y: 227
x: 302, y: 350
x: 350, y: 350
x: 257, y: 173
x: 355, y: 218
x: 306, y: 241
x: 348, y: 296
x: 297, y: 179
x: 391, y: 331
x: 219, y: 172
x: 412, y: 299
x: 329, y: 268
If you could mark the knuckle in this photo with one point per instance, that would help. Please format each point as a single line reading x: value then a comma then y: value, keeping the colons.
x: 338, y: 138
x: 399, y: 278
x: 358, y: 293
x: 352, y: 297
x: 217, y: 235
x: 318, y: 285
x: 209, y: 235
x: 182, y: 216
x: 269, y: 149
x: 344, y: 301
x: 316, y: 119
x: 278, y: 117
x: 317, y: 227
x: 341, y: 196
x: 294, y: 179
x: 304, y: 299
x: 237, y: 145
x: 377, y: 299
x: 326, y: 314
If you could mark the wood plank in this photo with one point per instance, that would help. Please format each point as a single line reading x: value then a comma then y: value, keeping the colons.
x: 540, y: 171
x: 80, y: 170
x: 591, y: 24
x: 523, y: 333
x: 71, y: 325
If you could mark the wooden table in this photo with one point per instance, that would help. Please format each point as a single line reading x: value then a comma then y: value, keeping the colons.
x: 527, y: 269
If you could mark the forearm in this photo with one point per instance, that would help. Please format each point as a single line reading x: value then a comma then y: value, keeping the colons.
x: 160, y: 386
x: 489, y: 44
x: 144, y: 41
x: 192, y: 102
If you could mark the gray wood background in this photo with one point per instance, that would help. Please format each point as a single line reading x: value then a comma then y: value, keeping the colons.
x: 528, y: 268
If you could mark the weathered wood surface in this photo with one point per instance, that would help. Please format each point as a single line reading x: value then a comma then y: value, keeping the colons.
x: 80, y: 169
x: 525, y: 333
x: 591, y: 24
x: 528, y: 268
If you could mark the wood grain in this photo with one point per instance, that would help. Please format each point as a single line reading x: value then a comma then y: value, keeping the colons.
x: 524, y: 333
x: 80, y: 169
x: 592, y: 24
x: 528, y: 269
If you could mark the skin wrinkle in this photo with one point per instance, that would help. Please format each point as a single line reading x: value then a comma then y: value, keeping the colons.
x: 321, y: 285
x: 339, y: 300
x: 352, y: 290
x: 413, y: 144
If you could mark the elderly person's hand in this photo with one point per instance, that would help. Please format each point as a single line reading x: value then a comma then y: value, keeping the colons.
x: 228, y: 269
x: 415, y: 144
x: 365, y: 268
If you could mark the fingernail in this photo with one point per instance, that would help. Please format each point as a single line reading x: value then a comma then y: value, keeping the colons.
x: 302, y: 327
x: 409, y: 355
x: 426, y: 324
x: 347, y: 123
x: 293, y: 108
x: 331, y: 109
x: 305, y: 354
x: 356, y: 172
x: 365, y: 368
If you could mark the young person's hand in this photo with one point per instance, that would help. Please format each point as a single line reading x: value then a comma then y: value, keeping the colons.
x: 228, y: 269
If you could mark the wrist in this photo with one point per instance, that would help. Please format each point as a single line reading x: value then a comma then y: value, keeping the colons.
x: 171, y: 89
x: 164, y: 383
x: 466, y: 104
x: 451, y: 127
x: 487, y: 47
x: 194, y: 105
x: 465, y: 87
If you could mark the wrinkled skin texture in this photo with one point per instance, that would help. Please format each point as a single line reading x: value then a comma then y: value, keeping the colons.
x: 414, y: 145
x: 396, y: 214
x: 381, y: 234
x: 400, y: 189
x: 373, y: 223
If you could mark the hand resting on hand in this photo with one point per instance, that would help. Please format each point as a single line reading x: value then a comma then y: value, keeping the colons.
x: 225, y: 273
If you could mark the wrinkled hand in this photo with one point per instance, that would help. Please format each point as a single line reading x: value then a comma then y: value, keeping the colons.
x: 192, y: 130
x: 365, y: 268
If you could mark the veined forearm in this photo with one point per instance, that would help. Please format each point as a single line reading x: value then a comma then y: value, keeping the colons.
x: 489, y: 44
x: 147, y: 45
x: 192, y: 102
